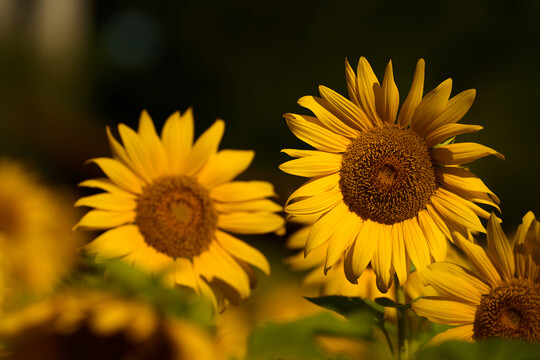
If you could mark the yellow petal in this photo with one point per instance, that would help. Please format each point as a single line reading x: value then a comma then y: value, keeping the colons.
x: 352, y: 85
x: 527, y: 247
x: 459, y: 333
x: 479, y: 259
x: 451, y: 282
x: 399, y: 258
x: 318, y: 203
x: 462, y: 179
x: 184, y: 273
x: 382, y: 258
x: 313, y: 165
x: 388, y: 103
x: 445, y: 311
x: 456, y: 108
x: 315, y: 135
x: 101, y: 220
x: 431, y: 106
x: 437, y: 219
x: 415, y: 95
x: 453, y: 208
x: 177, y: 137
x: 118, y: 150
x: 416, y: 244
x: 320, y: 107
x: 257, y: 222
x: 204, y: 148
x: 500, y: 249
x: 348, y: 112
x: 225, y: 166
x: 107, y: 185
x: 362, y: 250
x: 434, y: 237
x: 447, y: 131
x: 106, y: 201
x: 137, y: 152
x: 324, y: 227
x: 116, y: 242
x: 347, y: 230
x: 297, y: 240
x: 151, y: 141
x: 462, y: 153
x: 242, y: 191
x: 367, y: 82
x: 315, y: 186
x: 120, y: 174
x: 151, y: 261
x: 243, y: 251
x: 253, y: 205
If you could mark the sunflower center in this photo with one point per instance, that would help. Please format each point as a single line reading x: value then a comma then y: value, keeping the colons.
x: 509, y: 311
x: 387, y: 175
x: 176, y: 217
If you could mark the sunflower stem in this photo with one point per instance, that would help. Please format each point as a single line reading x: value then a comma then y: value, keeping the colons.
x: 403, y: 345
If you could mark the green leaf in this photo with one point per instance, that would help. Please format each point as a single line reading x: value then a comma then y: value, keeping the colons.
x: 297, y: 339
x: 493, y: 349
x: 349, y: 306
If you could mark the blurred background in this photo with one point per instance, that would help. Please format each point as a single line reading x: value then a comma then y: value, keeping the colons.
x: 68, y: 68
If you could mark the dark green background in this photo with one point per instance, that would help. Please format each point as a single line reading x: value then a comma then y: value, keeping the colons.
x: 248, y: 63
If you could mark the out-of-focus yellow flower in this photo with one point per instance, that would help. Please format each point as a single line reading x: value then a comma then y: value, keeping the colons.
x: 169, y: 205
x: 500, y: 299
x: 37, y: 247
x: 100, y: 326
x: 385, y: 188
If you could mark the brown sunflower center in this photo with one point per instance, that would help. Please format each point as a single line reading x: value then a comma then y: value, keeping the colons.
x: 387, y: 175
x: 509, y: 311
x: 176, y: 217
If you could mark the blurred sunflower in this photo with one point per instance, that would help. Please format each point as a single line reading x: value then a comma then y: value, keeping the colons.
x: 386, y: 187
x: 96, y: 325
x: 36, y: 246
x: 169, y: 204
x: 500, y: 299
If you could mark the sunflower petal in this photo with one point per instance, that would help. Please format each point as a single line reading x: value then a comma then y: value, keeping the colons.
x: 137, y: 152
x: 242, y: 191
x: 362, y: 250
x: 348, y: 229
x: 352, y: 85
x: 367, y: 82
x: 451, y: 281
x: 345, y: 109
x: 107, y: 201
x: 462, y: 153
x: 320, y: 107
x: 479, y: 259
x: 388, y: 103
x: 177, y: 137
x: 243, y: 251
x: 256, y: 222
x: 399, y: 257
x: 116, y: 242
x: 119, y: 174
x: 317, y: 203
x: 459, y: 333
x: 431, y: 106
x: 455, y: 210
x: 324, y: 227
x: 315, y: 186
x: 415, y: 95
x: 152, y: 142
x: 101, y: 220
x: 106, y: 185
x: 310, y: 166
x: 500, y: 249
x: 435, y: 238
x: 315, y: 135
x: 527, y: 247
x: 456, y: 108
x: 447, y: 131
x: 225, y: 166
x: 445, y: 311
x: 205, y: 147
x: 382, y: 259
x: 416, y: 244
x: 184, y: 274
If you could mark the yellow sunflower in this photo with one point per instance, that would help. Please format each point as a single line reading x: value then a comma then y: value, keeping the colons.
x: 36, y: 246
x: 100, y: 326
x: 500, y: 299
x: 169, y: 205
x: 386, y: 187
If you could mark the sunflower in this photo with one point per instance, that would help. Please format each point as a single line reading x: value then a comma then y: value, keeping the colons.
x: 500, y: 299
x: 36, y: 246
x: 386, y: 187
x: 169, y: 205
x: 100, y: 326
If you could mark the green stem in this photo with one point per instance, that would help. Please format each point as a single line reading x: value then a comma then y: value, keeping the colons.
x: 403, y: 345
